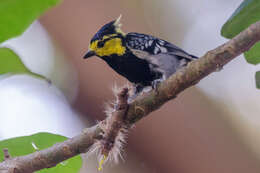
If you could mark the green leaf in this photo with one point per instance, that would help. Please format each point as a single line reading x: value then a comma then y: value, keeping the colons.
x: 17, y: 15
x: 246, y: 14
x: 10, y: 63
x: 253, y: 55
x: 257, y: 79
x: 23, y: 145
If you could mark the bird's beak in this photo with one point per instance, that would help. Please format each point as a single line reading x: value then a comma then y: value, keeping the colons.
x: 89, y: 54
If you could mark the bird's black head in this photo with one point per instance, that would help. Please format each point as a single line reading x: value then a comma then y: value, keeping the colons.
x: 107, y: 29
x: 107, y: 41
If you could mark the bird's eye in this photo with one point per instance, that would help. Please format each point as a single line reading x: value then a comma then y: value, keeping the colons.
x: 100, y: 44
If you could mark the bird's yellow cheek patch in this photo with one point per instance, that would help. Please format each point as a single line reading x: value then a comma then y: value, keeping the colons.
x: 112, y: 46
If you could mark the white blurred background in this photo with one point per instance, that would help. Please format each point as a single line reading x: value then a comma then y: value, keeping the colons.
x: 32, y: 105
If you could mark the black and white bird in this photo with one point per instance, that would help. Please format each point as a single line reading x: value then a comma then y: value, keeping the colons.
x: 143, y: 59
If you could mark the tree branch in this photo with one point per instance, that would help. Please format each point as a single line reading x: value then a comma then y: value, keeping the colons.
x: 141, y: 106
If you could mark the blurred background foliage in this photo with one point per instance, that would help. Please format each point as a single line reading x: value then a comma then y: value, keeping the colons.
x: 213, y: 127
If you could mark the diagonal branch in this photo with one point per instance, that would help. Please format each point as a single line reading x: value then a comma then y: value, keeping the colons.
x: 195, y: 71
x: 142, y: 106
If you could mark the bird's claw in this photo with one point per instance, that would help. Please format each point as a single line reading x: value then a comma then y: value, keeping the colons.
x: 155, y: 84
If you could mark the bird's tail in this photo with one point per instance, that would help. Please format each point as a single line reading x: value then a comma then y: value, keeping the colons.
x: 194, y: 57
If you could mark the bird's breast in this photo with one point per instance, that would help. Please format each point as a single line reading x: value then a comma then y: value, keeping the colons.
x: 136, y: 70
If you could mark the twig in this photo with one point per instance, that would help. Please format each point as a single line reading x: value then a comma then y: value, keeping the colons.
x: 115, y: 122
x: 141, y: 107
x: 6, y: 154
x: 114, y: 128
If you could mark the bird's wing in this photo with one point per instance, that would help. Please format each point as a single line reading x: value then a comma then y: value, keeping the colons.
x: 147, y: 46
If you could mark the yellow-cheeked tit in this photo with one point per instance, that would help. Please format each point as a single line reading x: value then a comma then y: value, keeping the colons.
x: 143, y: 59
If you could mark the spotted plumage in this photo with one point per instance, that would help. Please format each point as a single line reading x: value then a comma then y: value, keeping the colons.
x: 143, y: 59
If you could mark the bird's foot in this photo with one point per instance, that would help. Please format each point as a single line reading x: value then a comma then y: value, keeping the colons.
x: 138, y: 88
x: 155, y: 84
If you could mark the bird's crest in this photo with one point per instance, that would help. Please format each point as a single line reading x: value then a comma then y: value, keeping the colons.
x: 118, y: 25
x: 110, y: 28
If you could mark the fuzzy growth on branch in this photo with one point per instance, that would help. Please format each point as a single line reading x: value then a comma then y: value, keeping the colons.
x: 114, y: 130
